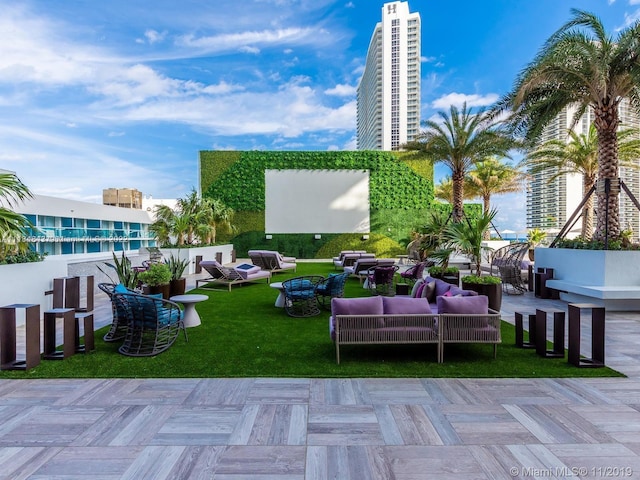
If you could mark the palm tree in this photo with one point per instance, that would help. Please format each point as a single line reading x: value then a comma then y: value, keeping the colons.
x: 466, y: 237
x: 458, y: 140
x: 580, y: 156
x: 194, y: 219
x: 12, y: 224
x: 444, y: 190
x: 580, y: 64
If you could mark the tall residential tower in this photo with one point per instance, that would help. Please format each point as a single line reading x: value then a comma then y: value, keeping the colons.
x: 550, y: 202
x: 389, y: 91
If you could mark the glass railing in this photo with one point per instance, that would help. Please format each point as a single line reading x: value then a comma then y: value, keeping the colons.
x: 51, y: 234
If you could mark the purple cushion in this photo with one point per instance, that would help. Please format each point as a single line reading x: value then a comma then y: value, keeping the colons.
x: 357, y: 306
x: 456, y: 291
x: 442, y: 287
x: 420, y: 290
x: 405, y: 305
x: 472, y: 304
x: 416, y: 285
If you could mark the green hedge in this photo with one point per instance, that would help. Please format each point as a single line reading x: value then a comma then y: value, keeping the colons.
x: 393, y: 184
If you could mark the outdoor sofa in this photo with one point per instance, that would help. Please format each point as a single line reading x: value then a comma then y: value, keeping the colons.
x: 455, y: 316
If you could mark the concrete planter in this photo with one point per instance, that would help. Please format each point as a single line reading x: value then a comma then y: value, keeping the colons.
x: 595, y: 268
x: 591, y: 267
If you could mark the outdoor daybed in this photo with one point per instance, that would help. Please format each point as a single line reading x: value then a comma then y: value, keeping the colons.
x: 406, y: 320
x: 230, y: 276
x: 272, y: 261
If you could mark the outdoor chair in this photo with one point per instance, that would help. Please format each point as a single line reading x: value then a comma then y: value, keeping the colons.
x: 414, y: 273
x: 381, y: 280
x: 331, y: 287
x: 153, y: 324
x: 507, y: 261
x: 118, y: 327
x: 300, y: 296
x: 229, y: 276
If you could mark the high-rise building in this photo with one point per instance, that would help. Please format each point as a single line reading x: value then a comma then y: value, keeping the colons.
x: 389, y: 90
x: 550, y: 202
x: 122, y: 197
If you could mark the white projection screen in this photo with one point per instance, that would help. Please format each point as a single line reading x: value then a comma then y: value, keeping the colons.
x: 316, y: 201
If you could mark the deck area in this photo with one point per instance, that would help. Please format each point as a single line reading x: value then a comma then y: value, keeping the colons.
x: 297, y: 428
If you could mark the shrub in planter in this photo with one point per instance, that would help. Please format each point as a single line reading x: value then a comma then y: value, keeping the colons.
x: 485, y: 285
x: 448, y: 274
x: 156, y: 279
x: 177, y: 266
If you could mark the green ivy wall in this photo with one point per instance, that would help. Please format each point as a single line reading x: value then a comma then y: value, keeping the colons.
x: 400, y: 192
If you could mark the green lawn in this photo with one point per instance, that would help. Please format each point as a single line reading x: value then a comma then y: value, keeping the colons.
x: 244, y: 335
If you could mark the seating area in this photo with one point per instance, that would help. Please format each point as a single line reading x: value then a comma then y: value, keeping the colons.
x: 406, y: 320
x: 348, y: 257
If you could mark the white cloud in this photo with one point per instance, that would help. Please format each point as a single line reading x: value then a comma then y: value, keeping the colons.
x: 341, y: 91
x: 458, y: 99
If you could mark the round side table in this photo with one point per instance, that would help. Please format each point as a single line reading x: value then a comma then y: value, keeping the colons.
x: 280, y: 300
x: 191, y: 317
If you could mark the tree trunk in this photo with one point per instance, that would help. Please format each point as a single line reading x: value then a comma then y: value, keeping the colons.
x: 587, y: 210
x: 608, y: 207
x: 457, y: 178
x: 486, y: 207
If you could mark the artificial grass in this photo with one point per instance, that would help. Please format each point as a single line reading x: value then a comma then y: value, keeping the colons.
x: 244, y: 335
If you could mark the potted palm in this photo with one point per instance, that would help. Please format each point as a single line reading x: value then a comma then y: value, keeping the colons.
x: 177, y: 266
x: 535, y: 237
x: 466, y: 237
x: 127, y: 275
x: 156, y: 280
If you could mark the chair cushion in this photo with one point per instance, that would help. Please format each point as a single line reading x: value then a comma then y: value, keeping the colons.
x: 120, y: 288
x: 414, y: 290
x: 441, y: 286
x: 405, y: 305
x: 478, y: 304
x: 429, y: 291
x: 357, y: 306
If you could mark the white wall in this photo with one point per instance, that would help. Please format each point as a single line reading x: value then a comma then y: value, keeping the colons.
x: 317, y: 201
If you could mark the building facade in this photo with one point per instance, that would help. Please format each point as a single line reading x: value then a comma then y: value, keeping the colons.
x: 388, y: 96
x: 122, y: 197
x: 551, y: 202
x: 65, y: 227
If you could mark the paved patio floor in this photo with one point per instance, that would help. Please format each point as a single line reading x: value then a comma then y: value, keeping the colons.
x: 297, y: 428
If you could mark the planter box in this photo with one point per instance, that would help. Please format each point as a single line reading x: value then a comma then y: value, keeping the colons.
x: 494, y: 292
x: 611, y: 271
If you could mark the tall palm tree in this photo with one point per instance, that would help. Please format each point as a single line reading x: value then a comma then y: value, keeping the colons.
x: 492, y: 177
x: 458, y: 140
x: 580, y: 64
x: 580, y: 155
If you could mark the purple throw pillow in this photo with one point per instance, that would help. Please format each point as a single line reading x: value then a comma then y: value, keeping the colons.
x: 442, y: 287
x: 478, y: 304
x: 414, y: 290
x: 357, y: 306
x: 405, y: 305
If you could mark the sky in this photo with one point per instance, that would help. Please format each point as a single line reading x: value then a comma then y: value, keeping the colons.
x: 126, y: 93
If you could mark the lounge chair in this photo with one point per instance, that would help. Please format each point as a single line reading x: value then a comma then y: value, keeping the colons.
x: 362, y: 266
x: 153, y: 324
x: 230, y: 276
x: 415, y: 272
x: 348, y: 259
x: 272, y: 261
x: 331, y: 287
